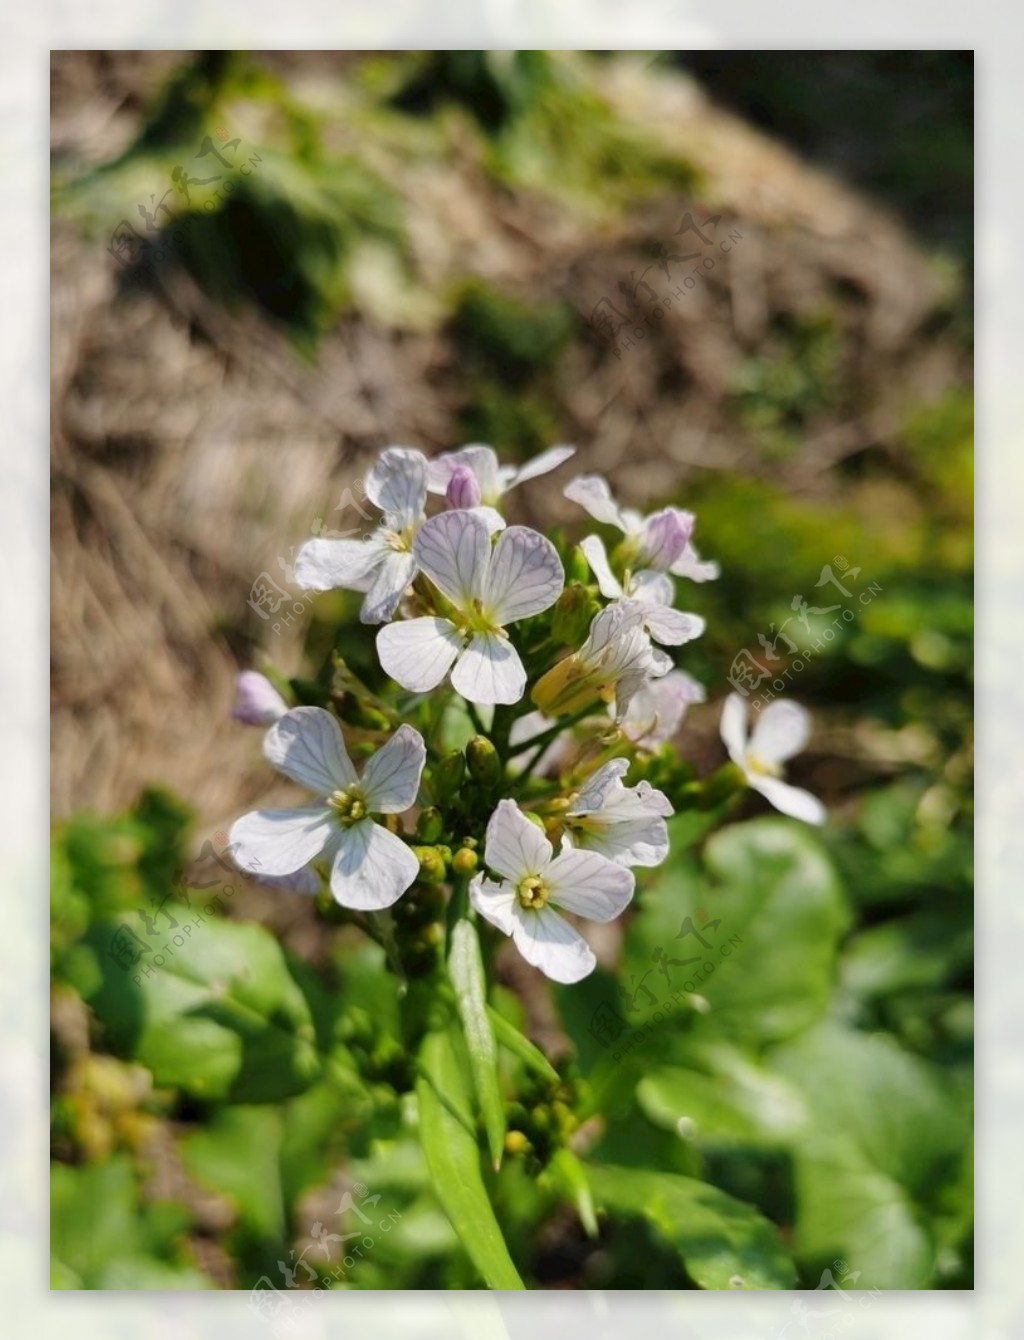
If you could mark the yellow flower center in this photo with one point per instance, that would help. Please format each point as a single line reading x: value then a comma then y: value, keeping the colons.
x: 349, y: 805
x: 532, y: 892
x: 760, y: 768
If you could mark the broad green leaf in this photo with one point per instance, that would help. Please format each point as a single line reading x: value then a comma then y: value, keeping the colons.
x: 466, y: 970
x: 724, y: 1099
x: 766, y: 968
x: 723, y: 1243
x: 143, y: 1272
x: 453, y: 1158
x: 221, y: 1017
x: 512, y: 1040
x: 237, y: 1153
x: 919, y: 951
x: 93, y: 1216
x: 880, y: 1099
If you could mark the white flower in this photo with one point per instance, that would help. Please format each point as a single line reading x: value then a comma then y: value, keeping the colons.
x: 657, y: 711
x: 257, y: 702
x: 659, y: 541
x: 382, y: 564
x: 370, y: 866
x: 534, y: 882
x: 488, y: 589
x: 653, y: 589
x: 781, y: 731
x: 615, y: 662
x: 624, y: 823
x: 492, y: 480
x: 692, y: 566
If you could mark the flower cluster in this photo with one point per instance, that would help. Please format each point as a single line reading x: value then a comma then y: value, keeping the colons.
x: 522, y: 681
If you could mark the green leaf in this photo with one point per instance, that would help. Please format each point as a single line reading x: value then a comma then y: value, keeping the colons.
x: 726, y: 1099
x: 767, y: 969
x: 143, y: 1272
x: 453, y: 1159
x: 238, y: 1155
x: 222, y: 1017
x: 512, y: 1040
x: 466, y: 970
x: 723, y: 1243
x: 570, y: 1178
x: 93, y: 1214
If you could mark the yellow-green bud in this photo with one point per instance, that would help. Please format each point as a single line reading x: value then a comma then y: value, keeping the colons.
x: 574, y: 610
x: 464, y: 862
x: 577, y: 569
x: 432, y: 867
x: 516, y: 1143
x: 449, y: 773
x: 484, y: 763
x: 430, y: 825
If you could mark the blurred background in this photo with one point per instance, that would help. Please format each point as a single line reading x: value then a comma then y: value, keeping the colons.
x: 266, y: 267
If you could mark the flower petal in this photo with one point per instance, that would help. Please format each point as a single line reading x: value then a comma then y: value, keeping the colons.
x: 279, y: 842
x: 600, y: 787
x: 689, y: 564
x: 489, y: 671
x: 372, y: 868
x: 632, y: 842
x: 541, y: 465
x: 672, y: 627
x: 491, y: 518
x: 513, y: 846
x: 390, y: 581
x: 791, y: 800
x: 657, y: 711
x: 397, y: 484
x: 781, y: 731
x: 548, y: 942
x: 594, y: 496
x: 525, y: 575
x: 596, y: 555
x: 665, y: 537
x: 476, y: 457
x: 329, y: 565
x: 418, y: 653
x: 391, y: 779
x: 588, y: 884
x: 453, y: 549
x: 733, y: 727
x: 257, y: 702
x: 653, y: 588
x: 306, y: 745
x: 494, y: 901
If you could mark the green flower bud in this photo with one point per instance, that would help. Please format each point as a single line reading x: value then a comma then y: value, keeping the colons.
x: 577, y: 569
x: 516, y: 1143
x: 465, y: 862
x: 430, y: 825
x: 484, y: 763
x: 432, y: 867
x: 449, y: 773
x: 572, y: 615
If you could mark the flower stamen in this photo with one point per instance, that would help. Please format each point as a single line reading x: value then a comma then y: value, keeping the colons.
x: 532, y: 892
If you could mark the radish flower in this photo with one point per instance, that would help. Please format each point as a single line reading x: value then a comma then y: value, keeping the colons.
x: 656, y: 712
x: 781, y: 731
x: 658, y: 541
x: 370, y: 867
x: 624, y: 823
x: 487, y: 589
x: 492, y: 480
x: 534, y: 882
x: 614, y: 663
x: 653, y: 589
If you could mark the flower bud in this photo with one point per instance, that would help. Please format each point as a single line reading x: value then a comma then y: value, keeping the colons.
x: 574, y: 610
x: 430, y: 824
x: 449, y: 773
x: 432, y: 867
x: 465, y: 862
x: 257, y: 702
x: 577, y: 569
x: 516, y: 1143
x: 463, y: 489
x: 484, y: 763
